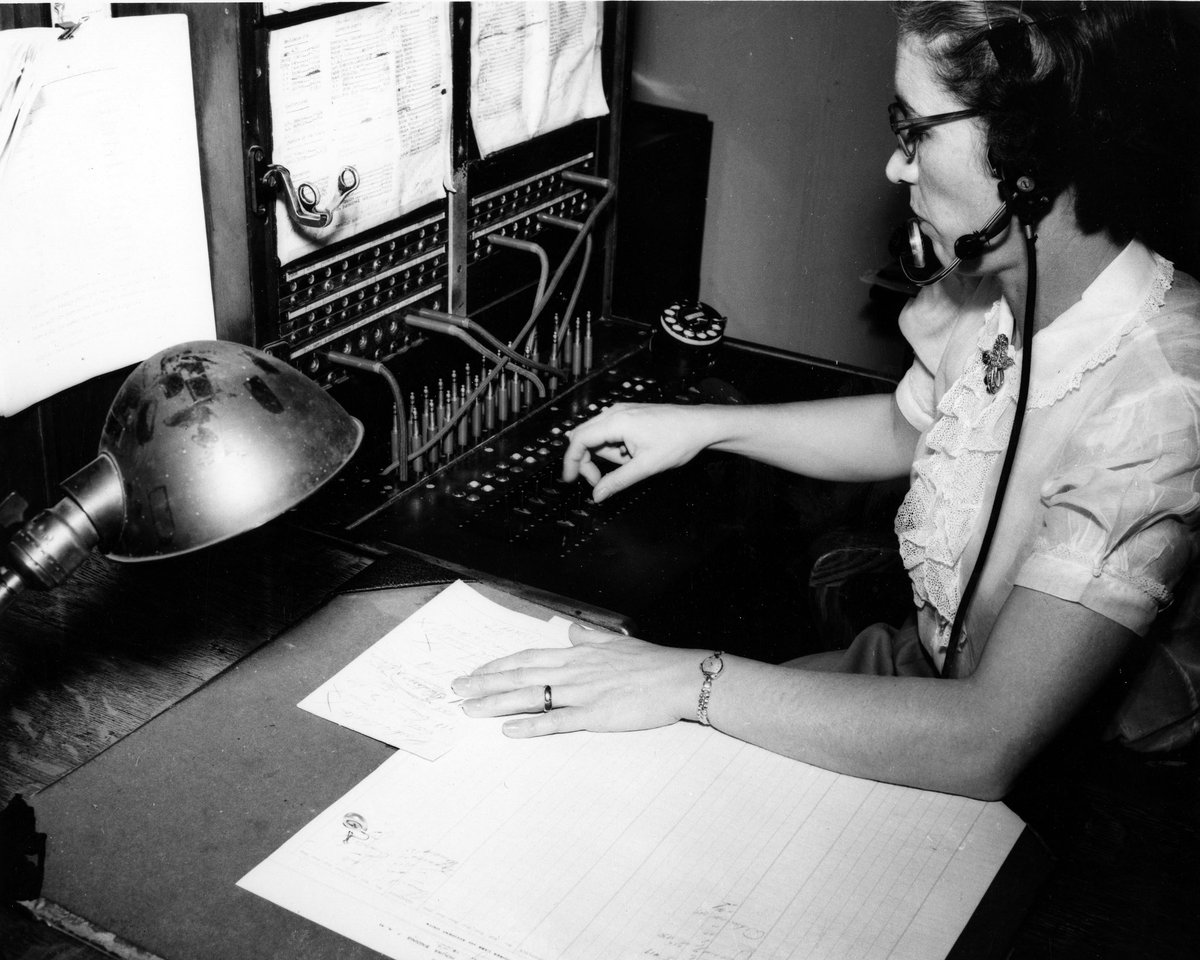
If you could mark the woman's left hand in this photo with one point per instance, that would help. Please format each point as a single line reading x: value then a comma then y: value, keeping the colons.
x: 602, y: 682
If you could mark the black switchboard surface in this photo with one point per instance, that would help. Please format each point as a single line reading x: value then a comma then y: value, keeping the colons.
x: 715, y: 553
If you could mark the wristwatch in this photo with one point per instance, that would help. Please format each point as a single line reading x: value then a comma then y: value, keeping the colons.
x: 711, y: 666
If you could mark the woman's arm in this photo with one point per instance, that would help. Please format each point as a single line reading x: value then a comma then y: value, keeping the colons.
x: 1044, y: 658
x: 972, y: 736
x: 847, y: 438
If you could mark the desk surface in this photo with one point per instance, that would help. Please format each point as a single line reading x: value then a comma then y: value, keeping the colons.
x: 84, y: 666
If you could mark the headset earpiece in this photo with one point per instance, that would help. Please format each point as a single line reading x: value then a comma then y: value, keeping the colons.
x: 1027, y: 199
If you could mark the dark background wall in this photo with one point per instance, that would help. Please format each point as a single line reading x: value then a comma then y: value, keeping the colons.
x: 798, y: 206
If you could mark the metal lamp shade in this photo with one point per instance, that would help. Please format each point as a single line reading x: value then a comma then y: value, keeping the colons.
x: 211, y: 439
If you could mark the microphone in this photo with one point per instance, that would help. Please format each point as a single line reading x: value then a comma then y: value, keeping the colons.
x: 915, y: 250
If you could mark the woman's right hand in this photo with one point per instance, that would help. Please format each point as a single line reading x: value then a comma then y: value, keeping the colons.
x: 641, y: 438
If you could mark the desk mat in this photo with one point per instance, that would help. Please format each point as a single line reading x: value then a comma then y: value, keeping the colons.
x: 149, y: 839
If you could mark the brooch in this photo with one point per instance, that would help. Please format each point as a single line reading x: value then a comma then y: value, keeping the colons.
x: 995, y: 362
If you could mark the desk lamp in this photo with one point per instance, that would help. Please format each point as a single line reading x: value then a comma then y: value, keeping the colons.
x: 204, y: 440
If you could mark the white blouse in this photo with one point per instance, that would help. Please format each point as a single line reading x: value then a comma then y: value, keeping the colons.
x: 1103, y: 503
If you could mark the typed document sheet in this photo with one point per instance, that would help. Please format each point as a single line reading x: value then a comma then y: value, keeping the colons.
x: 104, y: 251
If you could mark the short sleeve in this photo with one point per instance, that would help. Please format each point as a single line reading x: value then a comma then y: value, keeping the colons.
x: 915, y: 395
x: 1123, y: 504
x: 928, y: 322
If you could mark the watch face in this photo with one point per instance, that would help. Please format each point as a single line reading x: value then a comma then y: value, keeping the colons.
x: 712, y: 665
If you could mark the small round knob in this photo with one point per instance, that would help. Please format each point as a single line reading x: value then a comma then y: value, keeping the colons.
x: 308, y: 195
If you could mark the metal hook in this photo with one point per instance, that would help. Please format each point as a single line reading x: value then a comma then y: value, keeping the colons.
x: 302, y: 201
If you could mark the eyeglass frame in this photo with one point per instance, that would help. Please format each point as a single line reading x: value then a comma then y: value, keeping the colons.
x: 901, y: 127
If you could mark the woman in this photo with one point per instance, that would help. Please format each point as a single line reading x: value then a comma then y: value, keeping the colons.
x: 1102, y: 505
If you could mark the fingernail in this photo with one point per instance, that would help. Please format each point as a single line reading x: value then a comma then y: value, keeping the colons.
x: 460, y: 685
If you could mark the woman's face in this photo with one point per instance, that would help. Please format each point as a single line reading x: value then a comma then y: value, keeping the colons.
x: 951, y: 189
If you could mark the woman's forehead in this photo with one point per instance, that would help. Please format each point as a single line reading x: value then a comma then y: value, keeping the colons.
x: 918, y: 89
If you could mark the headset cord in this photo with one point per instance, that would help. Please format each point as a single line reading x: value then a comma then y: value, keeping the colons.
x: 952, y: 648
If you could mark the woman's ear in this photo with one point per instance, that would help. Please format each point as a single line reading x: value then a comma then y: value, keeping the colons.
x: 993, y: 164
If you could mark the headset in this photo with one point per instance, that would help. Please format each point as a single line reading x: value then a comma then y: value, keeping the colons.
x: 1025, y: 197
x: 1021, y: 196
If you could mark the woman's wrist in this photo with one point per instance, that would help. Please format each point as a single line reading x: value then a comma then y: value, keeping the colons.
x: 722, y: 427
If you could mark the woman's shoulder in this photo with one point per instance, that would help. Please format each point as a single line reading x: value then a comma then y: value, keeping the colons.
x: 1173, y: 330
x: 1166, y: 326
x: 1182, y: 300
x: 1153, y: 374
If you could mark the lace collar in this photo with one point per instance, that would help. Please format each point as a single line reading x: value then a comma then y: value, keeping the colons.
x: 1125, y: 295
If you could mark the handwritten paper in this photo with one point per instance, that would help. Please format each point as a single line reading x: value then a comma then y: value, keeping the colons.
x: 535, y: 67
x: 398, y: 691
x: 369, y: 89
x: 104, y: 253
x: 676, y: 844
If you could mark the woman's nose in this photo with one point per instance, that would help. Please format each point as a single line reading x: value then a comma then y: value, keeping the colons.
x: 899, y: 168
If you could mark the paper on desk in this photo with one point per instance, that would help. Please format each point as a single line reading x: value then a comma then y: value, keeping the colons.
x: 398, y: 691
x: 369, y: 89
x: 677, y: 843
x: 535, y: 67
x: 103, y: 252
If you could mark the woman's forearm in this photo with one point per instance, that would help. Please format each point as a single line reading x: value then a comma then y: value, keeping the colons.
x: 848, y: 438
x: 915, y: 731
x: 1045, y: 657
x: 845, y: 438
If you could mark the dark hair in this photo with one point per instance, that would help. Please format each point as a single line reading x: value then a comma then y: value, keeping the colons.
x: 1099, y: 96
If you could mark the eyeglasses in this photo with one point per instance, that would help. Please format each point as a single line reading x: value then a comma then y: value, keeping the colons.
x: 908, y: 130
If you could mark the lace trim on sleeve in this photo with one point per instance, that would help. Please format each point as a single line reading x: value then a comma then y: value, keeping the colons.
x: 1147, y: 585
x: 1164, y: 276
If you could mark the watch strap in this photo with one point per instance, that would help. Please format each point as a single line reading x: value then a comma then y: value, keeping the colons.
x: 711, y: 666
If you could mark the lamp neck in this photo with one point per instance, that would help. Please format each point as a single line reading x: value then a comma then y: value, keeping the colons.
x: 48, y: 548
x: 98, y: 491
